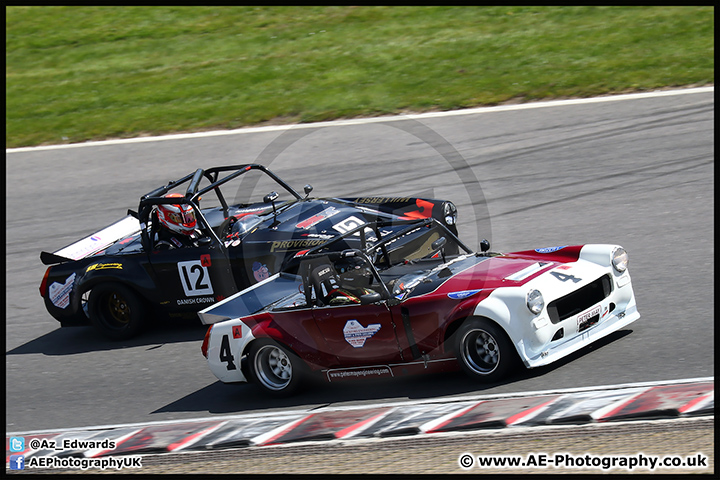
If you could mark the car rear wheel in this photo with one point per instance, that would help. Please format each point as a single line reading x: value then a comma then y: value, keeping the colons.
x: 116, y: 311
x: 483, y: 350
x: 275, y: 368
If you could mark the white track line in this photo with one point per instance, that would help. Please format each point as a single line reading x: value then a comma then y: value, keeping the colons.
x: 363, y: 121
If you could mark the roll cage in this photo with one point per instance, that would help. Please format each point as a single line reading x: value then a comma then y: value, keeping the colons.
x: 382, y: 242
x: 298, y: 273
x: 193, y: 194
x: 305, y: 264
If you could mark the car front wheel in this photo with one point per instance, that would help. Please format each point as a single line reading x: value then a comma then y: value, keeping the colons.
x: 116, y: 311
x: 275, y: 368
x: 483, y: 350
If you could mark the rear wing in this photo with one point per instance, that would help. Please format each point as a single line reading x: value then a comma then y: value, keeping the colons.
x: 94, y: 243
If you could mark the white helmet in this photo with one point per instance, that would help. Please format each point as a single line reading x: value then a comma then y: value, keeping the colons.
x: 176, y: 217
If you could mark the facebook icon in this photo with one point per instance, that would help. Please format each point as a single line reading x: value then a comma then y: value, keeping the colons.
x: 17, y: 462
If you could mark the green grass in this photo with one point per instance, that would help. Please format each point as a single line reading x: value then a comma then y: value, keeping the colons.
x: 87, y: 73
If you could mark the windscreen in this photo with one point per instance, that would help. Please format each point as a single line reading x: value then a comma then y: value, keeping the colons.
x: 414, y: 245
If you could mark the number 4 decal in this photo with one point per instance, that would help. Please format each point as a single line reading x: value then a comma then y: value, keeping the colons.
x: 564, y: 278
x: 226, y: 354
x: 195, y: 278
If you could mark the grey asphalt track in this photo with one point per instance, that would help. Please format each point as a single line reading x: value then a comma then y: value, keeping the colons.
x: 634, y: 172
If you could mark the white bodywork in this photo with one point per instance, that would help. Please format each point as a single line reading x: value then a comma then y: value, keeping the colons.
x: 219, y: 368
x: 532, y: 334
x: 225, y: 316
x: 101, y: 239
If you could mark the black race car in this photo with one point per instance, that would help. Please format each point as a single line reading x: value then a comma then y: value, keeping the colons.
x: 124, y: 274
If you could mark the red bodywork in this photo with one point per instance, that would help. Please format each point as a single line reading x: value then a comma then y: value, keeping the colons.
x: 413, y: 335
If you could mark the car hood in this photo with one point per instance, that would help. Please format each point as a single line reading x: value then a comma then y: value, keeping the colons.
x: 316, y: 219
x: 469, y: 274
x: 505, y: 270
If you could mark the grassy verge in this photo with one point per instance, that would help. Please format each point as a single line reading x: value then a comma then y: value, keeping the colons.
x: 82, y: 73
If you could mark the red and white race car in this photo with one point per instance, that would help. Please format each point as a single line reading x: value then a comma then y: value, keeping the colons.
x: 415, y: 301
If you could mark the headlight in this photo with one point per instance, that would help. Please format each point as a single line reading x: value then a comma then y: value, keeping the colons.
x: 450, y: 213
x: 535, y: 301
x: 620, y: 259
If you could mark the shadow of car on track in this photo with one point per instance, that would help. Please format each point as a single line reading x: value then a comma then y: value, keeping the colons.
x: 220, y: 398
x: 71, y: 341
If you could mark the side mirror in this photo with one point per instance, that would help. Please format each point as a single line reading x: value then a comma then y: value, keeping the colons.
x: 307, y: 188
x: 484, y: 245
x: 438, y: 244
x: 350, y: 252
x: 270, y: 197
x: 370, y: 298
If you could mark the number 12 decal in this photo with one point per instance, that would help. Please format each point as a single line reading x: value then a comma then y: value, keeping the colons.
x: 195, y: 278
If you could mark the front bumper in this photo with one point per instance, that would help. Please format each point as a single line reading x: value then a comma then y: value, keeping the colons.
x: 588, y: 309
x: 547, y: 341
x: 613, y: 323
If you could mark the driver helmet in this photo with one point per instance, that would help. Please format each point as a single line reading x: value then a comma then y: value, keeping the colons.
x: 176, y: 217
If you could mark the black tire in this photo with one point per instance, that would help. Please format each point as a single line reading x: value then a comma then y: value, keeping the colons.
x: 274, y: 368
x: 484, y: 350
x: 116, y: 311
